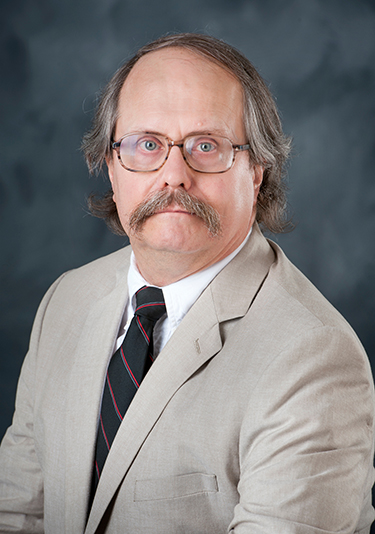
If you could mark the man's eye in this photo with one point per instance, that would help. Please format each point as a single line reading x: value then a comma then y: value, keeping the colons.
x: 149, y: 145
x: 206, y: 146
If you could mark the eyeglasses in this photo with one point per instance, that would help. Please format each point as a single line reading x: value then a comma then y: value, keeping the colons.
x: 147, y: 152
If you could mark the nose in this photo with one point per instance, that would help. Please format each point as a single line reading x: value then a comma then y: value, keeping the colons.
x: 175, y: 172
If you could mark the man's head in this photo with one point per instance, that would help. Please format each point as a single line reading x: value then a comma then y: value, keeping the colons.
x: 200, y: 198
x: 268, y: 146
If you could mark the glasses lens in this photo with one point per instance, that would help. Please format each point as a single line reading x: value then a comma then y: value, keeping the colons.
x: 208, y: 153
x: 143, y: 151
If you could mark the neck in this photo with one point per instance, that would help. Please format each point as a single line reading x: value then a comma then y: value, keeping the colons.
x: 164, y: 268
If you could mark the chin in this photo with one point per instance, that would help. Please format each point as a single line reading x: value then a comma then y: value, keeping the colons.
x: 175, y: 245
x: 174, y: 242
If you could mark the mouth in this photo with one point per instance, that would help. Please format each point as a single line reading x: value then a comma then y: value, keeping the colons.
x: 173, y: 210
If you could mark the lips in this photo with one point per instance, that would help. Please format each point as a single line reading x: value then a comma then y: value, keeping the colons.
x: 168, y: 210
x: 173, y: 209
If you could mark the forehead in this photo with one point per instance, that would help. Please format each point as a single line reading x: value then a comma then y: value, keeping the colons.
x: 179, y: 86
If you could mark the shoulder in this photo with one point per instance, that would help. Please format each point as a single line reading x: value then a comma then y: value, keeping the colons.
x: 295, y: 320
x: 103, y: 267
x: 299, y: 299
x: 98, y: 275
x: 77, y: 290
x: 283, y: 309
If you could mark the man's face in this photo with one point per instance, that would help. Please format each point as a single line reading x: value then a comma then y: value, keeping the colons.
x: 175, y: 92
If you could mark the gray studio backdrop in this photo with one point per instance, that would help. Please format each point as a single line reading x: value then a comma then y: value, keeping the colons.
x: 318, y: 57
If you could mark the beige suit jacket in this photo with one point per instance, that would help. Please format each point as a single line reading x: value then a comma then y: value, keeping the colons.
x: 257, y: 416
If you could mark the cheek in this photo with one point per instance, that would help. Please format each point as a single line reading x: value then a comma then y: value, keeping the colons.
x: 124, y: 201
x: 127, y: 190
x: 233, y: 201
x: 238, y: 194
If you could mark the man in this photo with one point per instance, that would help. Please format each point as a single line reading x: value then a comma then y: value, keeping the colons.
x: 257, y: 413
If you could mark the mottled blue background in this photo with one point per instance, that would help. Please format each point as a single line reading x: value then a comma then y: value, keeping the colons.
x: 318, y: 57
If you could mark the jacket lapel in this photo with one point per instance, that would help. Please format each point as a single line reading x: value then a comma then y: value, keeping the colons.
x: 236, y: 287
x: 196, y: 340
x: 93, y: 352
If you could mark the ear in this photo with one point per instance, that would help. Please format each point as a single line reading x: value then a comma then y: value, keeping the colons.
x: 258, y: 171
x: 110, y: 168
x: 109, y: 163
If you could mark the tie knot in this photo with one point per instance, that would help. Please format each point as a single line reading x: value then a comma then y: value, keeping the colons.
x: 150, y: 303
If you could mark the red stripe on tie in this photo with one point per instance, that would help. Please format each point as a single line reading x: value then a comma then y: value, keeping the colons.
x: 150, y: 304
x: 128, y: 368
x: 143, y: 330
x: 104, y: 434
x: 113, y: 398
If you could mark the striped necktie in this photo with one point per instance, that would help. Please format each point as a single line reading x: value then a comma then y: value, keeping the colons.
x: 126, y: 370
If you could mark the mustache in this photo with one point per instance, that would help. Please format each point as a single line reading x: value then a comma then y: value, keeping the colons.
x: 164, y: 198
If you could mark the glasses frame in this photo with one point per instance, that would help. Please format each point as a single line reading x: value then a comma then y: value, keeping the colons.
x: 115, y: 145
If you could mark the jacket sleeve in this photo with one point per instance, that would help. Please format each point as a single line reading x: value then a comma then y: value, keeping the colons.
x: 21, y: 476
x: 306, y: 445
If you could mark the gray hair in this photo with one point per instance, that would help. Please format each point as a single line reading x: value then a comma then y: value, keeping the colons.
x: 269, y: 147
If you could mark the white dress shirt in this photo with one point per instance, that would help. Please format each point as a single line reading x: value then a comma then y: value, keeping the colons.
x: 178, y: 297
